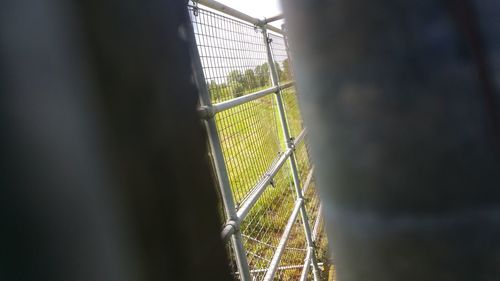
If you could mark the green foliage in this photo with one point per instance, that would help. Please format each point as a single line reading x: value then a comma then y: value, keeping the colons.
x: 262, y: 75
x: 250, y: 80
x: 243, y: 153
x: 240, y: 83
x: 236, y: 81
x: 216, y: 90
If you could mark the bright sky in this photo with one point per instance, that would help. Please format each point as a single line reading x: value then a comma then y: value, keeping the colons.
x: 256, y: 8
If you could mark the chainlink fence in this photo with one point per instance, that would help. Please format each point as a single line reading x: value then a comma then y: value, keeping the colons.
x: 258, y: 146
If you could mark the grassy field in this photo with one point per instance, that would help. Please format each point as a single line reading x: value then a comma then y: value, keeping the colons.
x: 252, y: 138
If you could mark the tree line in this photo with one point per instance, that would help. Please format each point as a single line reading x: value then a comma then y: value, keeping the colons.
x: 242, y: 82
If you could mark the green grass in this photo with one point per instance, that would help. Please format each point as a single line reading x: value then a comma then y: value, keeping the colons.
x: 292, y: 111
x: 249, y: 142
x: 251, y: 137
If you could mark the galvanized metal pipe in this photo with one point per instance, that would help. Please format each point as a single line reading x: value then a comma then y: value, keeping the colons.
x: 307, y: 264
x: 226, y: 194
x: 305, y: 219
x: 237, y: 14
x: 281, y: 268
x: 307, y: 261
x: 290, y: 144
x: 229, y: 229
x: 299, y: 138
x: 241, y: 100
x: 218, y: 159
x: 273, y: 18
x: 273, y: 266
x: 209, y: 111
x: 262, y: 185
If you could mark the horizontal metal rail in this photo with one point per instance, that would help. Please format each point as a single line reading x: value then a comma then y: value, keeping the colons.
x: 231, y: 225
x: 257, y: 191
x: 207, y: 112
x: 237, y: 14
x: 298, y: 139
x: 273, y: 266
x: 280, y: 268
x: 262, y: 184
x: 274, y: 18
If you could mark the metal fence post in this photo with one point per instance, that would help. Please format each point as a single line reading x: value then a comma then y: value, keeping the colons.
x: 218, y: 161
x: 289, y: 144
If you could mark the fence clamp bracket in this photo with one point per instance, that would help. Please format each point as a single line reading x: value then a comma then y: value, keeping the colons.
x: 206, y: 112
x: 231, y: 227
x: 234, y: 224
x: 196, y: 10
x: 291, y: 143
x: 271, y: 180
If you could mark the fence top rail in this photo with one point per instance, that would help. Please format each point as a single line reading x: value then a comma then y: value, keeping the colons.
x: 212, y: 4
x: 273, y: 18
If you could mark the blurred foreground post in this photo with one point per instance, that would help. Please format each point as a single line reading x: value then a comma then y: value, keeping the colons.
x: 104, y: 171
x: 401, y: 102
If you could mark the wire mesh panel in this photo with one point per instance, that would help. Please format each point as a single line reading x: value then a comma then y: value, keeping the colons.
x: 321, y: 242
x: 322, y: 254
x: 312, y: 204
x: 316, y: 221
x: 292, y: 261
x: 249, y: 139
x: 264, y: 225
x: 318, y: 233
x: 303, y: 162
x: 234, y: 60
x: 233, y: 54
x: 292, y: 110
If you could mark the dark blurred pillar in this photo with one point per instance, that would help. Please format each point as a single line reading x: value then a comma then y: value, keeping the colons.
x: 104, y: 172
x: 401, y: 101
